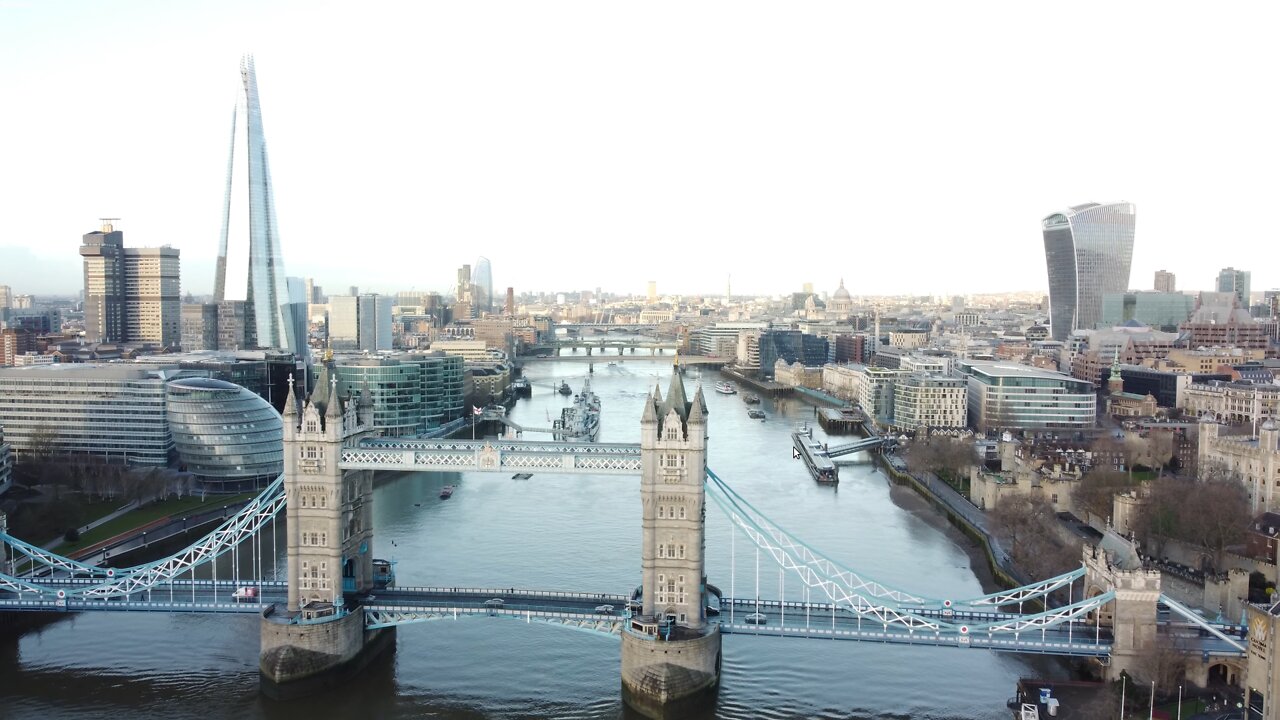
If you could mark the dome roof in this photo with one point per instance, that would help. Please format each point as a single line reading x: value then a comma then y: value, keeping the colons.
x: 841, y: 293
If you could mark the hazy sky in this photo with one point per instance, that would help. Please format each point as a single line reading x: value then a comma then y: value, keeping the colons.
x: 906, y: 147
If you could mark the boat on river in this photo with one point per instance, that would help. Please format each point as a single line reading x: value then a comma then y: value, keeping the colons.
x: 581, y: 420
x: 751, y: 399
x: 446, y: 492
x: 726, y: 388
x: 565, y: 389
x: 755, y: 414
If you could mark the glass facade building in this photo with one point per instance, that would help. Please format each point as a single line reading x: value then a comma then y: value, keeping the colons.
x: 224, y: 433
x: 250, y: 263
x: 791, y: 346
x: 114, y: 411
x: 482, y: 287
x: 394, y: 387
x: 1088, y: 251
x: 1008, y: 396
x: 1162, y: 311
x: 411, y: 392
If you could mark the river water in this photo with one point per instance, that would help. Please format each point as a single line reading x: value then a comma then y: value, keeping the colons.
x: 561, y: 532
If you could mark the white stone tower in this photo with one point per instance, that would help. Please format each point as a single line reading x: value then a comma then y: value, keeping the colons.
x: 670, y: 654
x: 329, y: 511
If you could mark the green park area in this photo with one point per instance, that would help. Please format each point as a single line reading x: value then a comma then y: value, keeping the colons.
x: 173, y: 507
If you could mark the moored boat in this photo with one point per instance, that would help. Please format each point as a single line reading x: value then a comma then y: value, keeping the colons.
x: 580, y: 421
x: 755, y: 414
x: 726, y: 388
x: 751, y: 399
x: 565, y: 389
x: 446, y: 492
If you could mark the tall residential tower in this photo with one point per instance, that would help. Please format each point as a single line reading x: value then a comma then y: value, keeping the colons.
x: 250, y: 263
x: 1088, y: 249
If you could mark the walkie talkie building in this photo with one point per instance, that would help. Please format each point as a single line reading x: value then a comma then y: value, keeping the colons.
x: 1088, y: 249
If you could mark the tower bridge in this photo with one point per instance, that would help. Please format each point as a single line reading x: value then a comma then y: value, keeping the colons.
x: 326, y: 614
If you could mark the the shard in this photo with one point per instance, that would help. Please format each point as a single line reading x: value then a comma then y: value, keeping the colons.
x: 250, y: 264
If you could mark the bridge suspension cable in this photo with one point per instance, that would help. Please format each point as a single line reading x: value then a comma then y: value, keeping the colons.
x: 117, y: 583
x: 860, y: 595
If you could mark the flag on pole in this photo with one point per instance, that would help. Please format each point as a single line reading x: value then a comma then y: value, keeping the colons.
x: 476, y: 411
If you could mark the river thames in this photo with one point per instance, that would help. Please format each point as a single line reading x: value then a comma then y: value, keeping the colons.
x: 573, y: 533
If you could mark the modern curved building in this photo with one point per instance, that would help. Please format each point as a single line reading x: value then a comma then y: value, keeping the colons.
x: 1088, y: 250
x: 482, y: 287
x: 225, y: 434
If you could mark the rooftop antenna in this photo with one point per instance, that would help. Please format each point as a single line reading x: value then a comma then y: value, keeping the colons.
x: 107, y: 224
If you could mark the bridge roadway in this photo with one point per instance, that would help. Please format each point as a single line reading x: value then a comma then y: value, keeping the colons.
x: 399, y: 606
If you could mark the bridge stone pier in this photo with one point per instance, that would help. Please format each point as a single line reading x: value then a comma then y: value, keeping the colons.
x: 318, y: 638
x: 670, y: 653
x: 1133, y: 614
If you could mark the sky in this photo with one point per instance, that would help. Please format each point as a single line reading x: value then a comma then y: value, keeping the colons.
x: 904, y: 147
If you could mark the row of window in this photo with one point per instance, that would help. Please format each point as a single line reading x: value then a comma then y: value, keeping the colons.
x: 669, y: 511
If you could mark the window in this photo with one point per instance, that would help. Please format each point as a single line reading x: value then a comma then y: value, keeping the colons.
x: 662, y: 511
x: 682, y: 512
x: 662, y: 551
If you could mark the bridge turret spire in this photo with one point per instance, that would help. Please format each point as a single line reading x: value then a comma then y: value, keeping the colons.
x: 291, y: 402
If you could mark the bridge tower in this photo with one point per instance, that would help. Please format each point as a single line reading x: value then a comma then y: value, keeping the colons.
x: 670, y: 653
x: 316, y: 639
x: 1132, y: 614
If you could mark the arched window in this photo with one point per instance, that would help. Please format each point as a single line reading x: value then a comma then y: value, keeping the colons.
x: 662, y: 551
x: 681, y: 512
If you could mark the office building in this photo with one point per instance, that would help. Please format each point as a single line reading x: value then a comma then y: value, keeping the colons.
x: 1008, y: 396
x: 152, y: 296
x: 200, y: 326
x: 131, y: 295
x: 103, y: 253
x: 922, y: 400
x: 1088, y: 250
x: 1220, y: 320
x: 395, y: 388
x: 235, y: 325
x: 115, y: 411
x: 1166, y: 282
x: 15, y: 342
x: 1236, y: 403
x: 482, y: 287
x: 1160, y: 310
x: 250, y: 265
x: 653, y: 291
x: 224, y: 434
x: 360, y: 322
x: 791, y: 346
x: 6, y: 463
x: 1236, y: 282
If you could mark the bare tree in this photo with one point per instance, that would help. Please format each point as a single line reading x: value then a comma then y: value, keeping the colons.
x: 1211, y: 514
x: 1097, y: 489
x: 1028, y: 524
x: 947, y: 457
x: 1164, y: 662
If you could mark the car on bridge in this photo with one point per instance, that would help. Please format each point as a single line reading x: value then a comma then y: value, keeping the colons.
x: 604, y: 609
x: 755, y: 619
x: 495, y: 603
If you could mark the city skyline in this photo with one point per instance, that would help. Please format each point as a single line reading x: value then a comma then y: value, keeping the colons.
x: 839, y: 148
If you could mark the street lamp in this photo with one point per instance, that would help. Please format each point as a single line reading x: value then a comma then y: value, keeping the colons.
x: 1179, y: 701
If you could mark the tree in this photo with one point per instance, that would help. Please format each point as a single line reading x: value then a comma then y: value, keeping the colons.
x: 1028, y: 524
x: 947, y: 457
x: 1097, y: 489
x: 1210, y: 514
